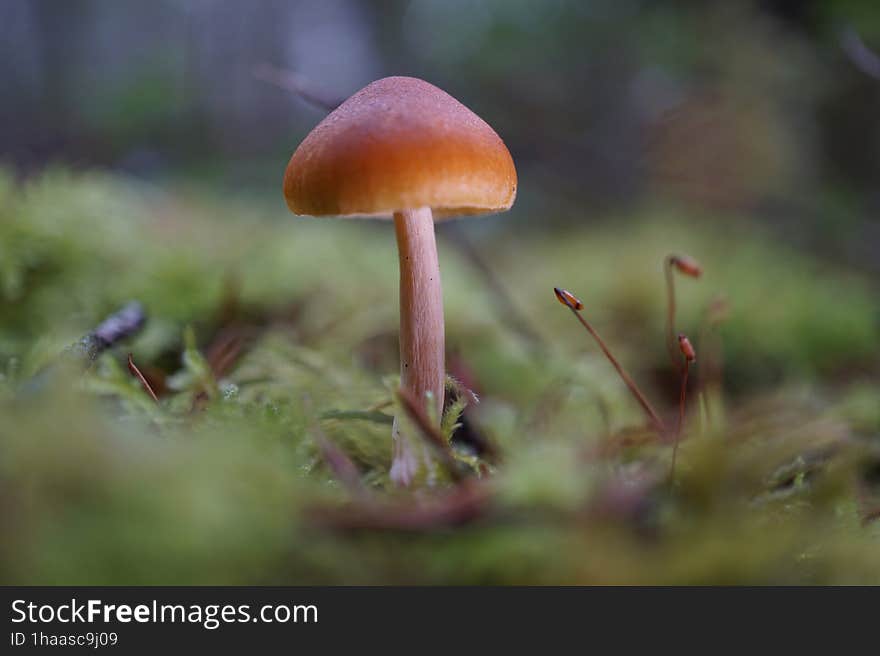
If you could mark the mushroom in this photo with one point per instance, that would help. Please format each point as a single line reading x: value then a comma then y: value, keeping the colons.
x: 402, y: 148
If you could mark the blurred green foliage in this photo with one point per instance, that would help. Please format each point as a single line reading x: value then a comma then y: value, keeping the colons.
x: 226, y: 479
x: 741, y: 133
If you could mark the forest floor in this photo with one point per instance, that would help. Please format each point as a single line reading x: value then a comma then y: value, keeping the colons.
x: 271, y: 346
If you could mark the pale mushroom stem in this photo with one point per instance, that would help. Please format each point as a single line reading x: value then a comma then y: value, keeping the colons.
x: 422, y: 341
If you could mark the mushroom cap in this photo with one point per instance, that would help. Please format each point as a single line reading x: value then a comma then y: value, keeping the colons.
x: 400, y: 143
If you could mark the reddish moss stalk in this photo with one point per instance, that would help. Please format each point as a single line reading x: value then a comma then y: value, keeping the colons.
x: 687, y: 350
x: 574, y: 304
x: 688, y: 267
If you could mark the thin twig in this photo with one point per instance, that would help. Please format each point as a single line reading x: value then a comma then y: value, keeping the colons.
x: 132, y: 367
x: 122, y: 324
x: 862, y: 57
x: 343, y: 468
x: 225, y: 349
x: 432, y: 433
x: 296, y: 83
x: 498, y: 292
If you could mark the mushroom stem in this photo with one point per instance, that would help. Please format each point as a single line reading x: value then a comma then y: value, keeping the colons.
x: 422, y: 341
x: 422, y: 366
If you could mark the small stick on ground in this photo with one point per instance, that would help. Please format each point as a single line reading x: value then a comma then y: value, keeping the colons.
x: 122, y: 324
x: 687, y: 350
x: 689, y: 267
x: 132, y: 367
x: 573, y: 303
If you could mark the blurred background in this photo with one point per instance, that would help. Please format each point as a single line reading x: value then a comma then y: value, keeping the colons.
x: 768, y: 105
x: 142, y: 148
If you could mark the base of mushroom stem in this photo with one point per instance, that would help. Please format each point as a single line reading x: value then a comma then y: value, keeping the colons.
x: 409, y: 460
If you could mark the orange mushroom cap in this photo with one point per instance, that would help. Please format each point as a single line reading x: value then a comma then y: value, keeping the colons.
x: 400, y: 143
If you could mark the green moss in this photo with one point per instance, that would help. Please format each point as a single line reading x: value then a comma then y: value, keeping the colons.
x: 224, y: 480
